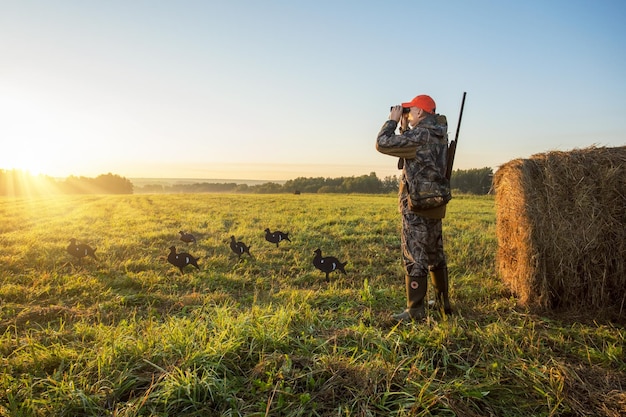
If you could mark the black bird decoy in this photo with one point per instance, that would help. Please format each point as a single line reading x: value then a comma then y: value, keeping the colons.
x: 239, y: 247
x: 181, y: 260
x: 328, y: 264
x: 187, y: 237
x: 81, y: 250
x: 276, y: 236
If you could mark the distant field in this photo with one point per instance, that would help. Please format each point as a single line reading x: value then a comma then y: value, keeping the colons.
x: 141, y: 182
x: 129, y: 335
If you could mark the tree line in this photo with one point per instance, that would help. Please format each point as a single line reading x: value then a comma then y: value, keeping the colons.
x: 369, y: 184
x: 472, y: 181
x: 20, y: 183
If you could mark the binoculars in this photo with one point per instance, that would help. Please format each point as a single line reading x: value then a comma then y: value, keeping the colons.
x: 405, y: 110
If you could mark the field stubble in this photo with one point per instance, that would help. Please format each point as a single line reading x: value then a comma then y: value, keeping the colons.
x: 128, y: 335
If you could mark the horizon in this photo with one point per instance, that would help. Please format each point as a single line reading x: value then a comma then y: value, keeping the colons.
x: 231, y: 176
x: 238, y: 172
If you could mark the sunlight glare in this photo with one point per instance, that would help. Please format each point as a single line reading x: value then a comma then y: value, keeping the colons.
x: 29, y: 164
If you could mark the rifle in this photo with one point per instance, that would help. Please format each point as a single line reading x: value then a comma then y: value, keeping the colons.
x: 452, y: 146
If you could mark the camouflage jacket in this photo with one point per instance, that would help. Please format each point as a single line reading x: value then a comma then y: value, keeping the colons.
x: 424, y: 151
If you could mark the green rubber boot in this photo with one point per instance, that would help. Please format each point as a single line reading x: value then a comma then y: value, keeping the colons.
x: 439, y: 279
x: 416, y: 288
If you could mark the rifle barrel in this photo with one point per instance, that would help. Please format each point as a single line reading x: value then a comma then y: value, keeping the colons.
x: 458, y: 126
x: 452, y: 146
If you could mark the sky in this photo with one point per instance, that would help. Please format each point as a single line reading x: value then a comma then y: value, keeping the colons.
x: 280, y: 89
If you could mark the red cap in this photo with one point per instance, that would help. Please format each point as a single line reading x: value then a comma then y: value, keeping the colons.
x: 424, y: 102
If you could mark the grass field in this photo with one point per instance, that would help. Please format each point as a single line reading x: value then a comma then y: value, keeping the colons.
x: 129, y: 335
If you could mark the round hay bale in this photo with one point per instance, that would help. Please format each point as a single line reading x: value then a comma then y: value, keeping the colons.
x: 561, y: 229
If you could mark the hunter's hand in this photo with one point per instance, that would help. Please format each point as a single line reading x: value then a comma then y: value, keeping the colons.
x: 396, y: 113
x: 404, y: 123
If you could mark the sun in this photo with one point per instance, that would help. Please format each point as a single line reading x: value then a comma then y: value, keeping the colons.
x: 35, y: 135
x: 20, y: 182
x: 34, y: 155
x: 31, y: 165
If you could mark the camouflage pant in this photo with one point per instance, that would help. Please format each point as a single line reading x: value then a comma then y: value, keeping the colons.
x: 422, y: 244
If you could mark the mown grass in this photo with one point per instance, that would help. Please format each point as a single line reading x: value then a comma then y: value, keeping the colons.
x: 128, y: 335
